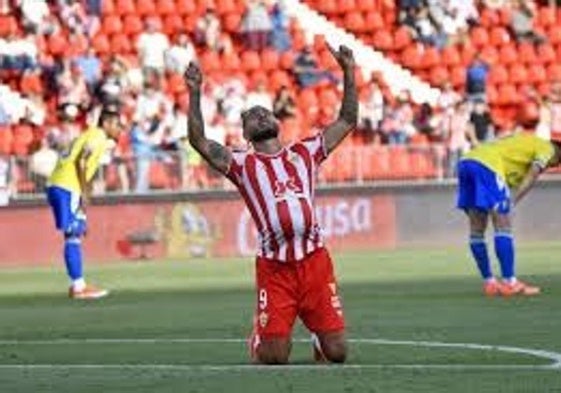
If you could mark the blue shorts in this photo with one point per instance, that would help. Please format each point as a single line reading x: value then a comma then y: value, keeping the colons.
x: 69, y: 217
x: 481, y: 189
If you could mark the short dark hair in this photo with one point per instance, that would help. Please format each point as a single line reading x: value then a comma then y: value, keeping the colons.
x: 106, y: 113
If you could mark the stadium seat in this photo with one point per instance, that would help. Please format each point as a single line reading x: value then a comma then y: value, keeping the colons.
x: 354, y: 21
x: 490, y: 55
x: 6, y: 140
x: 185, y: 7
x: 380, y: 162
x: 231, y: 22
x: 176, y: 84
x: 22, y: 138
x: 498, y: 75
x: 479, y: 37
x: 145, y: 7
x: 57, y: 44
x: 231, y: 61
x: 458, y: 76
x: 554, y: 34
x: 526, y: 53
x: 30, y: 83
x: 225, y: 6
x: 367, y: 5
x: 439, y: 75
x: 210, y: 61
x: 165, y: 7
x: 120, y: 44
x: 554, y: 73
x: 101, y: 44
x: 431, y: 58
x: 402, y: 38
x: 345, y: 6
x: 383, y: 40
x: 508, y: 54
x: 124, y: 7
x: 537, y: 74
x: 467, y: 52
x: 518, y: 74
x: 173, y: 24
x: 111, y: 24
x: 132, y: 25
x: 107, y: 8
x: 400, y: 163
x: 250, y: 61
x: 488, y: 17
x: 492, y: 94
x: 8, y: 25
x: 546, y: 16
x: 373, y: 21
x: 507, y: 94
x: 499, y: 36
x: 270, y: 59
x: 278, y: 79
x: 546, y: 54
x: 159, y: 178
x: 451, y: 56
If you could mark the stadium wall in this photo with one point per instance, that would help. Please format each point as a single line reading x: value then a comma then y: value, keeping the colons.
x: 217, y: 224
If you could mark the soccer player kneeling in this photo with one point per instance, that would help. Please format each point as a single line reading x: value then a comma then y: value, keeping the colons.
x: 294, y: 272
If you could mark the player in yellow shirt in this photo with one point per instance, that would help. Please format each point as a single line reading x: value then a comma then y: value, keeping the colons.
x: 68, y: 191
x: 492, y: 178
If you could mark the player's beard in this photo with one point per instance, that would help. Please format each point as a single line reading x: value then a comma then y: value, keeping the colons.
x: 265, y: 134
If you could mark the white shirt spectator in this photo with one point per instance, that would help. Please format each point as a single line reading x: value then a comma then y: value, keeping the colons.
x: 216, y: 132
x: 233, y: 106
x: 34, y: 11
x: 373, y: 107
x: 150, y: 104
x: 36, y: 111
x: 180, y: 55
x: 448, y: 99
x: 260, y: 97
x: 152, y: 47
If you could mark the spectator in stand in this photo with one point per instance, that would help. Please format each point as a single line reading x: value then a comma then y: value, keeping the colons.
x: 460, y: 136
x: 476, y: 79
x: 143, y: 152
x: 75, y: 18
x: 208, y: 30
x: 18, y: 54
x: 90, y: 66
x: 256, y: 25
x: 372, y: 109
x: 65, y: 131
x: 280, y: 37
x: 36, y: 111
x: 41, y: 164
x: 152, y: 45
x: 7, y: 179
x: 72, y: 88
x: 232, y: 106
x: 448, y: 98
x: 555, y: 109
x: 397, y: 125
x: 175, y: 139
x: 36, y: 16
x: 407, y: 8
x: 307, y: 72
x: 284, y: 106
x: 114, y: 83
x: 93, y: 7
x: 543, y: 129
x: 423, y: 120
x: 259, y: 96
x: 181, y: 53
x: 522, y: 22
x: 481, y: 121
x: 427, y: 31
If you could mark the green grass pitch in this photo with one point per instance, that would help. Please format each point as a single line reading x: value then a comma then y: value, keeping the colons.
x: 172, y: 326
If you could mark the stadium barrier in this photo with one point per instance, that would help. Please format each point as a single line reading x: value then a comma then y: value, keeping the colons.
x: 215, y: 223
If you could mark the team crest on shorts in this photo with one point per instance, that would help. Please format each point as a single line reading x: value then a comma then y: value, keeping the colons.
x: 263, y: 319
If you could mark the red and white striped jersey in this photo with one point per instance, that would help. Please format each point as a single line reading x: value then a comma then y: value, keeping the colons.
x: 279, y: 192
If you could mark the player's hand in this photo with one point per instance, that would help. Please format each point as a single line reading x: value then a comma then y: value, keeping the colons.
x: 193, y: 76
x: 344, y: 56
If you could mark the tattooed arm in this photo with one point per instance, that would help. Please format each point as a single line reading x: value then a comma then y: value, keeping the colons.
x: 348, y: 114
x: 217, y: 155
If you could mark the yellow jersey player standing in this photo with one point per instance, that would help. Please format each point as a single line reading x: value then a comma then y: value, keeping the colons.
x: 68, y: 193
x: 492, y: 179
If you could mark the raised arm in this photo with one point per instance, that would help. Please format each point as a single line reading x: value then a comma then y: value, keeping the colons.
x: 217, y: 155
x: 348, y: 114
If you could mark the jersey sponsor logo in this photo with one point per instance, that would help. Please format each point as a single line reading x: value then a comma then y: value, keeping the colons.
x: 290, y: 187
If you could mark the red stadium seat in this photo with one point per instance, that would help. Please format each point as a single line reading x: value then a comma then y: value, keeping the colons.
x: 210, y: 61
x: 490, y: 55
x: 107, y: 7
x: 231, y: 22
x: 492, y: 94
x: 537, y: 74
x: 354, y: 21
x: 225, y: 7
x: 411, y: 57
x: 132, y: 25
x: 270, y: 60
x: 159, y: 177
x: 120, y: 44
x: 30, y: 83
x: 165, y: 7
x: 439, y: 75
x: 250, y: 61
x: 231, y: 61
x: 345, y: 6
x: 431, y: 58
x: 111, y: 24
x: 173, y: 24
x: 458, y: 76
x: 185, y: 7
x: 400, y: 163
x: 507, y: 94
x: 479, y: 37
x: 498, y: 74
x: 176, y: 84
x: 57, y: 44
x: 374, y: 21
x: 101, y: 44
x: 451, y: 56
x: 145, y: 7
x: 526, y: 53
x: 505, y: 16
x: 383, y: 40
x: 518, y: 74
x: 367, y: 5
x: 554, y: 34
x: 124, y: 7
x: 508, y: 54
x: 546, y: 54
x: 467, y: 53
x: 402, y: 38
x: 287, y: 60
x: 278, y: 79
x: 6, y: 140
x: 546, y: 16
x: 554, y: 73
x: 499, y: 36
x: 488, y: 18
x: 23, y: 136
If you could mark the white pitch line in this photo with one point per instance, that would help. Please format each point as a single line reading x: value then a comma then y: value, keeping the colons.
x: 291, y: 367
x: 554, y: 357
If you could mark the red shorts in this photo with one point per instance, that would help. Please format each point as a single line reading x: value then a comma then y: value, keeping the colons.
x: 305, y: 289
